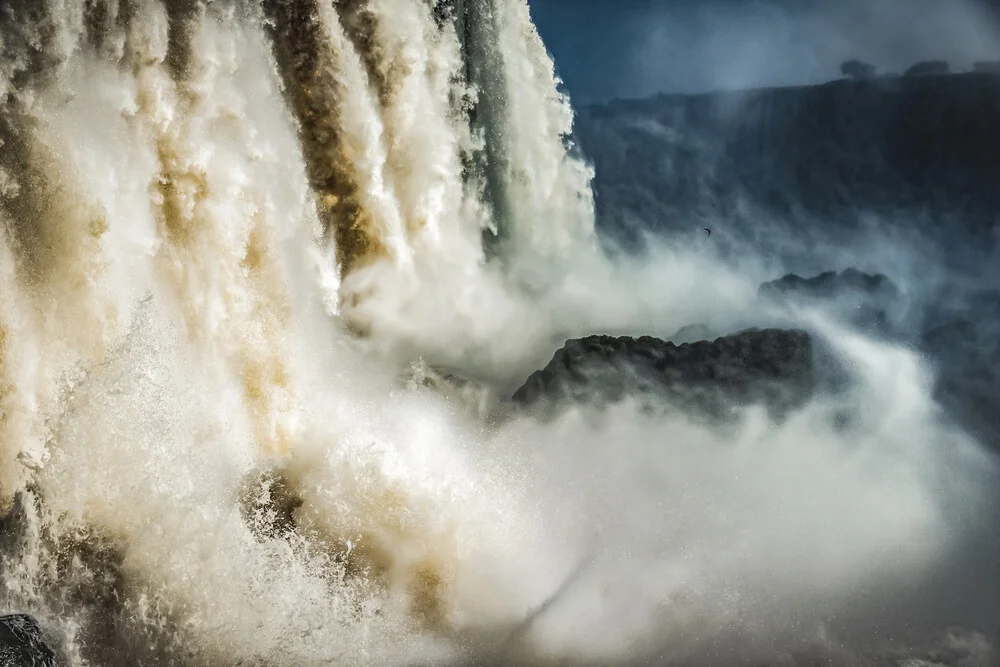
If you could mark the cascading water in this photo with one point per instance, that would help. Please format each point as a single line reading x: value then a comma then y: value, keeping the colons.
x: 229, y: 227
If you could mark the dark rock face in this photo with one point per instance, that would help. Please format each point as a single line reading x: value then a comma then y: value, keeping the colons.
x: 867, y: 301
x: 22, y: 643
x: 831, y: 284
x: 772, y: 367
x: 783, y: 170
x: 964, y: 346
x: 959, y: 333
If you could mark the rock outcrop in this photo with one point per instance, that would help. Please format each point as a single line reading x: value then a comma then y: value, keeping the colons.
x: 833, y: 285
x: 868, y: 301
x: 772, y: 367
x: 959, y: 335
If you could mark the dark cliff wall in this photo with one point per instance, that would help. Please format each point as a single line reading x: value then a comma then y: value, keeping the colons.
x: 920, y: 152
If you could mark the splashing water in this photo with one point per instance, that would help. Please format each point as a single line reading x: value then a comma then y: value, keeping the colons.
x: 229, y: 227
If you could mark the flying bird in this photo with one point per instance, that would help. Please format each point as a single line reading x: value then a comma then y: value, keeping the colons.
x: 708, y: 230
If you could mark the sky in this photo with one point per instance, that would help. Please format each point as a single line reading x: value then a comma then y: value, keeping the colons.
x: 634, y: 48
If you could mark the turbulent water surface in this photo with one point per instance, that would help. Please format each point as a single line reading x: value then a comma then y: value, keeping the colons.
x: 237, y: 240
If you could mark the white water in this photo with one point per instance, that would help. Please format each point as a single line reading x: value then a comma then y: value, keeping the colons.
x: 173, y: 321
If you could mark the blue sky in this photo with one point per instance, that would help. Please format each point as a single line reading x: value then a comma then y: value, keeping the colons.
x: 634, y: 48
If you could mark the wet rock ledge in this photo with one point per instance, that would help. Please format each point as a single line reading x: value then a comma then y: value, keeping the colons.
x: 770, y: 367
